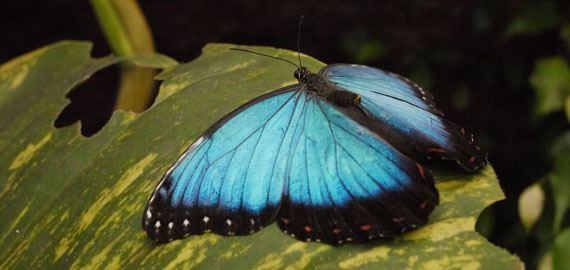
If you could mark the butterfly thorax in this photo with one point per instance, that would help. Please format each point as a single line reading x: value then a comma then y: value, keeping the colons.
x: 317, y: 84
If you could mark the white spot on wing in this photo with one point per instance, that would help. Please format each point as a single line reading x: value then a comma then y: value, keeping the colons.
x: 170, y: 225
x: 157, y: 224
x: 186, y: 222
x: 206, y: 219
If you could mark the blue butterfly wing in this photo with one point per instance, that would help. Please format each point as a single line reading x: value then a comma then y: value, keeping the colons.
x: 345, y: 183
x: 407, y: 115
x: 231, y: 179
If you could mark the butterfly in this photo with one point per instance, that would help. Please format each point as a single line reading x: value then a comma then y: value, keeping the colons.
x: 331, y: 159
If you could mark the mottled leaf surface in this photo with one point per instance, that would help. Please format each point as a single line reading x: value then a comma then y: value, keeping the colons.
x: 72, y: 202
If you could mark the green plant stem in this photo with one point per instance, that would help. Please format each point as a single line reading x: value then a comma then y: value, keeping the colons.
x: 127, y: 33
x: 113, y: 29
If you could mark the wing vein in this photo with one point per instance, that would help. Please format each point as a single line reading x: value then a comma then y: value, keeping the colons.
x: 281, y: 143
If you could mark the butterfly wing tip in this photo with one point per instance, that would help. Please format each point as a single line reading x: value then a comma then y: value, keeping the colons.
x: 474, y: 163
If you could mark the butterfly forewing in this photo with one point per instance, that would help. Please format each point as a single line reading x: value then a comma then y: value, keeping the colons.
x: 230, y: 180
x: 405, y: 115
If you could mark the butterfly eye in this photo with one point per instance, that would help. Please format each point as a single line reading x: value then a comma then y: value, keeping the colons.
x: 297, y: 74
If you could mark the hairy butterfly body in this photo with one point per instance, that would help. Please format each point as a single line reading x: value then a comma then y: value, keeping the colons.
x: 331, y: 159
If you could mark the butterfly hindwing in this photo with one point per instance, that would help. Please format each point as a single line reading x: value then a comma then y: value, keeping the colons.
x: 407, y: 115
x: 231, y: 179
x: 345, y: 183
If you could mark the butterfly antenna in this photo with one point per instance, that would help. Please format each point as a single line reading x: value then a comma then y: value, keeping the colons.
x: 266, y: 55
x: 299, y: 39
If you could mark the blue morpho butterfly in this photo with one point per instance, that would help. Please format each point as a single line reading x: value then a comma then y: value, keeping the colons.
x: 331, y: 159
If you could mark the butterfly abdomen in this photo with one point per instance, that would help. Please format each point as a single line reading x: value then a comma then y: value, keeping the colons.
x: 344, y: 98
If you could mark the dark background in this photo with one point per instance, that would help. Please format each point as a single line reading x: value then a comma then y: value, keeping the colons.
x: 466, y: 52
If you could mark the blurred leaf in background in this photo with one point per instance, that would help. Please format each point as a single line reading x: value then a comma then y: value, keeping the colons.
x: 531, y: 205
x: 535, y: 18
x: 551, y: 82
x: 362, y: 47
x: 560, y: 181
x: 561, y: 251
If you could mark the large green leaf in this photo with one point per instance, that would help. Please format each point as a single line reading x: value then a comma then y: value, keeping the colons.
x: 69, y: 201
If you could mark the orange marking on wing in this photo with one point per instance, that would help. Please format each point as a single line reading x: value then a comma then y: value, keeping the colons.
x: 336, y: 231
x: 366, y: 227
x: 308, y: 229
x: 436, y: 150
x: 286, y: 221
x: 421, y: 170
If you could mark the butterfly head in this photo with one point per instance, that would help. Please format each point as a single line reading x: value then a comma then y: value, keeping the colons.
x: 301, y: 74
